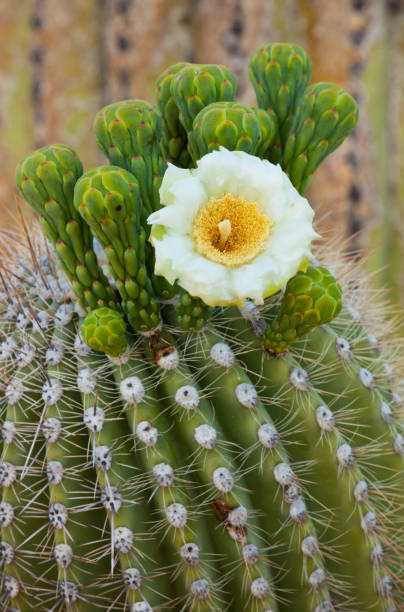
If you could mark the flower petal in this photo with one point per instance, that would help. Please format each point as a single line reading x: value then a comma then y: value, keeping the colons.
x: 170, y: 178
x: 180, y: 214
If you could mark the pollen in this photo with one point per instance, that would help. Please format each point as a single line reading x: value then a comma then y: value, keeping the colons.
x: 230, y: 230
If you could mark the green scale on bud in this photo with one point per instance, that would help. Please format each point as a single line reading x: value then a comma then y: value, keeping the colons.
x: 108, y: 199
x: 233, y: 126
x: 311, y: 298
x: 104, y: 330
x: 46, y: 179
x: 175, y: 139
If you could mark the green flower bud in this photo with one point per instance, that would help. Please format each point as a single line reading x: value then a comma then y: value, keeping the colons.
x: 104, y: 330
x: 175, y: 140
x: 327, y: 115
x: 280, y: 73
x: 231, y: 125
x: 192, y: 314
x: 310, y: 299
x: 46, y: 179
x: 108, y: 198
x: 196, y: 85
x: 49, y: 173
x: 129, y: 133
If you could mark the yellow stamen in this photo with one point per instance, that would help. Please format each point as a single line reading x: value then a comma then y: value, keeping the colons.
x: 230, y: 230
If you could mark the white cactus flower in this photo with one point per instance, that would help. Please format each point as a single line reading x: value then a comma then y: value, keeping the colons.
x: 233, y: 228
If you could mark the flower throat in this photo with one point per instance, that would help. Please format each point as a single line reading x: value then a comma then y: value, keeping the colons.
x: 230, y: 230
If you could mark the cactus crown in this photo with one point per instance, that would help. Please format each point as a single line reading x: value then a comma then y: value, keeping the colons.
x: 168, y: 445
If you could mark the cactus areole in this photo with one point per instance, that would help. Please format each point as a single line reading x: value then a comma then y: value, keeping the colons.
x: 195, y: 414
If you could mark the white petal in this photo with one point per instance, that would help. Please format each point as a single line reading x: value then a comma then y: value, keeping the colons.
x: 171, y: 176
x: 206, y: 279
x: 171, y: 251
x: 254, y: 279
x: 290, y: 238
x: 186, y: 196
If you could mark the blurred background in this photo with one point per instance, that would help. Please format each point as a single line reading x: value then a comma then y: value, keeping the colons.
x: 61, y: 60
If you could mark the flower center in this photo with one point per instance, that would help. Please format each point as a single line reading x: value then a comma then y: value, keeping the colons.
x: 230, y: 230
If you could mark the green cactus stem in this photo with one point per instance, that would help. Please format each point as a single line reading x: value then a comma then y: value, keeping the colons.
x: 230, y: 387
x: 112, y: 448
x: 46, y: 179
x: 214, y: 463
x: 22, y: 398
x: 343, y: 483
x: 74, y: 528
x: 162, y: 463
x: 372, y: 407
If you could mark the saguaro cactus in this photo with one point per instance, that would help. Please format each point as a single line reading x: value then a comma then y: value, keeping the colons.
x: 199, y: 419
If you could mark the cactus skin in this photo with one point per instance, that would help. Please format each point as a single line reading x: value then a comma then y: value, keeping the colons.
x: 310, y: 299
x: 203, y: 459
